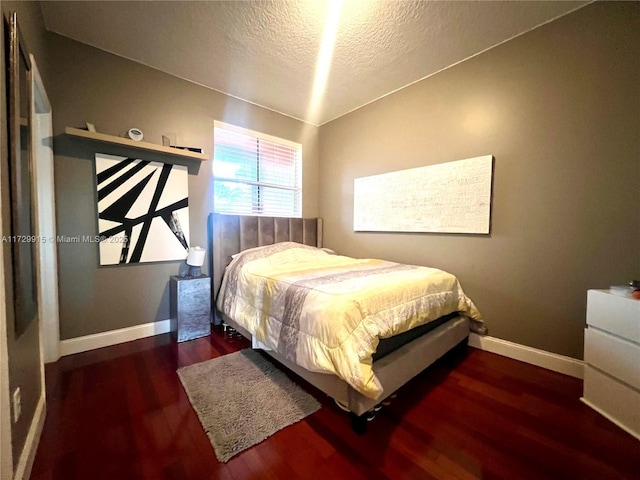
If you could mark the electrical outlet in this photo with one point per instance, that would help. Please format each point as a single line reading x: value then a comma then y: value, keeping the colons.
x: 17, y: 405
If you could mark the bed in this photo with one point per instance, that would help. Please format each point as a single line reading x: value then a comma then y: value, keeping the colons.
x: 264, y: 243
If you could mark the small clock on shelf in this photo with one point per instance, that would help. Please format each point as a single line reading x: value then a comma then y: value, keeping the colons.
x: 135, y: 134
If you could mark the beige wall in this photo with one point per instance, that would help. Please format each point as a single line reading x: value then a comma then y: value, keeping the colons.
x: 115, y: 94
x: 23, y: 352
x: 559, y: 109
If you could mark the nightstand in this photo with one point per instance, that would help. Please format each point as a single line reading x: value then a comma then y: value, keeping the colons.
x: 190, y: 307
x: 612, y: 358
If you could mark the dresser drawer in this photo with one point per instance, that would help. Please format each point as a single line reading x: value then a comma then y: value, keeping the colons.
x: 618, y: 402
x: 619, y: 358
x: 614, y: 313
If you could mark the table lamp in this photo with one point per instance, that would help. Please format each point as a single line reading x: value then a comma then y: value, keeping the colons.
x: 195, y: 259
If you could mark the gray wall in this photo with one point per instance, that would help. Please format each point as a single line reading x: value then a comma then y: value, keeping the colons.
x: 115, y: 94
x: 559, y: 108
x: 23, y: 352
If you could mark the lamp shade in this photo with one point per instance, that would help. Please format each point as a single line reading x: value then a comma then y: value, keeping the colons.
x: 195, y: 258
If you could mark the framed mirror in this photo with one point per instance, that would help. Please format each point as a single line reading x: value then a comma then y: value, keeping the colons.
x: 22, y: 231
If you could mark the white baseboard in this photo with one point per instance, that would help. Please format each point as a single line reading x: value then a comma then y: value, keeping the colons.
x: 113, y: 337
x: 551, y: 361
x: 28, y: 455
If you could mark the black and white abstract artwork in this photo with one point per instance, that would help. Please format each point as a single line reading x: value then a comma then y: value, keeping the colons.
x: 143, y: 210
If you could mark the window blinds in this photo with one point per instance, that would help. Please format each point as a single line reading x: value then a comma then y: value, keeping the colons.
x: 256, y: 174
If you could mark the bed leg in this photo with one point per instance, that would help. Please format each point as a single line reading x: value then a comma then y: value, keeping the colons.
x: 359, y: 423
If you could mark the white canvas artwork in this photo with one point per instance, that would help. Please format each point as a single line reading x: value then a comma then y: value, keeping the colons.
x: 143, y: 210
x: 452, y: 197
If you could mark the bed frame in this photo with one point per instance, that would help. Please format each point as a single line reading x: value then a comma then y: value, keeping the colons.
x: 230, y: 234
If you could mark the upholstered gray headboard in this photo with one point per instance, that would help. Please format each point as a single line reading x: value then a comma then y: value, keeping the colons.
x: 230, y: 234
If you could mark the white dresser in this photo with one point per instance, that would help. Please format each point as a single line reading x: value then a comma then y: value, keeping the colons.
x: 612, y: 358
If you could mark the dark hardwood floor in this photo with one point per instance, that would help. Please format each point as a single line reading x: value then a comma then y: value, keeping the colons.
x: 121, y: 413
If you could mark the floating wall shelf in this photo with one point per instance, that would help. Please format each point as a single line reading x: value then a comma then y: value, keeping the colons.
x: 127, y: 142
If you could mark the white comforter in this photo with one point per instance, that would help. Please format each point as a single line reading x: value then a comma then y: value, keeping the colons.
x: 327, y: 312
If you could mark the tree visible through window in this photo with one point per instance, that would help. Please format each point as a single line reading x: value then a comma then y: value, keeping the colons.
x: 256, y: 174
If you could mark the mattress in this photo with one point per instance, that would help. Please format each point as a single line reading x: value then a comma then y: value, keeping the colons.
x: 391, y: 344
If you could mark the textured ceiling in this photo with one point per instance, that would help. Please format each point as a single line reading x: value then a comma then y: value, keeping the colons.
x: 267, y: 52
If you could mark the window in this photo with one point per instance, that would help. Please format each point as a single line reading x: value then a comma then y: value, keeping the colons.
x: 256, y: 174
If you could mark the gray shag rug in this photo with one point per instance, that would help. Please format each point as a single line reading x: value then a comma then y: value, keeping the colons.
x: 242, y: 398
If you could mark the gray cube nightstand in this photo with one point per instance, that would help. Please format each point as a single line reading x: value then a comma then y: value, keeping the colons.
x: 190, y: 307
